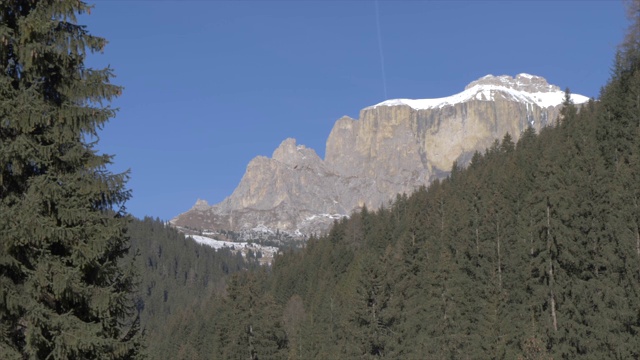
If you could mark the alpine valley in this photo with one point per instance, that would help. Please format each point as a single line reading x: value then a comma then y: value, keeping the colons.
x: 394, y: 147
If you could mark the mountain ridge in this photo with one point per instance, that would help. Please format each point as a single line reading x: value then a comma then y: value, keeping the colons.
x: 394, y: 147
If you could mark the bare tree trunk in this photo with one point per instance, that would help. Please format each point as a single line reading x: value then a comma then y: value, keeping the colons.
x: 476, y: 222
x: 552, y: 297
x: 637, y: 241
x: 477, y: 241
x: 636, y: 229
x: 499, y: 255
x: 530, y: 238
x: 444, y: 286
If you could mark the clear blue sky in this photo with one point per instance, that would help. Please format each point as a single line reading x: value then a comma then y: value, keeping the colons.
x: 211, y: 84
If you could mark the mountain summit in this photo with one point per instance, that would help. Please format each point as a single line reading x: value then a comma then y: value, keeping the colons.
x: 524, y: 88
x: 394, y: 147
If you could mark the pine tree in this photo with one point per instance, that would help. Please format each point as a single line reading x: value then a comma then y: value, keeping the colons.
x: 365, y: 320
x: 64, y: 287
x: 250, y: 327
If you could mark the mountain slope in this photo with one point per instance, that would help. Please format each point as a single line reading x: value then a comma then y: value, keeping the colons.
x: 394, y: 147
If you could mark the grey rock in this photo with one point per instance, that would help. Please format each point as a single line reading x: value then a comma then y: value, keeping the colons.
x: 394, y: 147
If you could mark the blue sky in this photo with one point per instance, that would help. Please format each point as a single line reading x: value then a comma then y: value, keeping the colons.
x: 211, y: 84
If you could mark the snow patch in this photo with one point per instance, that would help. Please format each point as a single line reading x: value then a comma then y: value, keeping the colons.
x: 524, y: 88
x: 268, y: 252
x: 525, y: 75
x: 217, y: 244
x: 261, y: 228
x: 487, y: 93
x: 327, y: 216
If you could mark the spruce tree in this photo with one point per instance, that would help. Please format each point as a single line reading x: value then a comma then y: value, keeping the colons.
x: 64, y: 285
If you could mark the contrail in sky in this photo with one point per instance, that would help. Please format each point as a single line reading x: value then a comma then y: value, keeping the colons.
x: 384, y: 75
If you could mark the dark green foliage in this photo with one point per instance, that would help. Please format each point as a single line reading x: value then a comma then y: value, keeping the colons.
x: 65, y: 289
x: 251, y: 323
x: 179, y: 278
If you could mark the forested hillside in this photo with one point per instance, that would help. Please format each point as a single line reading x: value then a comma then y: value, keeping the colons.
x: 531, y: 252
x: 177, y: 275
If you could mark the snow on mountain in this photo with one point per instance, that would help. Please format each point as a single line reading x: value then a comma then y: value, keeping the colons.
x: 328, y: 216
x: 525, y: 88
x: 218, y: 244
x: 268, y: 252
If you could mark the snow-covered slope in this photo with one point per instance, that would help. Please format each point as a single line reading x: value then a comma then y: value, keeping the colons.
x: 524, y: 88
x: 268, y: 252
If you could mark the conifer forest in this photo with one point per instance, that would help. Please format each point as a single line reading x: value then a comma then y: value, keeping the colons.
x: 530, y: 252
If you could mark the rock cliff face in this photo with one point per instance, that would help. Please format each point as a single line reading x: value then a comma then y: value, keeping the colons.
x: 393, y: 148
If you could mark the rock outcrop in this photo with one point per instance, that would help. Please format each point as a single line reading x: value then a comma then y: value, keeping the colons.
x: 394, y: 147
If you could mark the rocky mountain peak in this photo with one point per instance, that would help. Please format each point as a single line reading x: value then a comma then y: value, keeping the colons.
x: 201, y: 205
x: 292, y: 154
x: 393, y: 147
x: 522, y: 82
